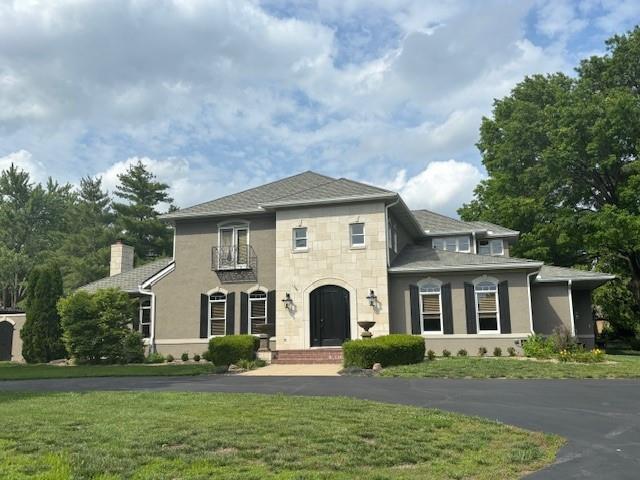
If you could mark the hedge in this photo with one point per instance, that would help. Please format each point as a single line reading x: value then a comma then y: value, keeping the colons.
x: 386, y: 350
x: 232, y: 348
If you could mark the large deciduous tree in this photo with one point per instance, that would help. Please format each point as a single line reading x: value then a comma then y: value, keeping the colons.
x: 137, y: 217
x: 562, y: 159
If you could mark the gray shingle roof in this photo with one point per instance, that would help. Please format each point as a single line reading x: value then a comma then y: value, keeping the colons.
x: 307, y: 187
x: 552, y: 273
x: 425, y: 258
x: 437, y: 224
x: 131, y: 280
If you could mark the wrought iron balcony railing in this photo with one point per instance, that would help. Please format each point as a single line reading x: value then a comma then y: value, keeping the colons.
x: 241, y: 257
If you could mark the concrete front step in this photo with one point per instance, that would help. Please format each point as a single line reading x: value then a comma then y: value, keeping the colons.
x: 311, y: 356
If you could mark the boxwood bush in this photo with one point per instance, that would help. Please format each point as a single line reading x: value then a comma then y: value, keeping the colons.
x: 386, y: 350
x: 232, y: 348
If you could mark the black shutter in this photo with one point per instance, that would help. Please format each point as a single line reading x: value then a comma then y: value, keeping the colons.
x: 135, y: 321
x: 470, y: 304
x: 414, y: 296
x: 447, y: 309
x: 244, y: 313
x: 204, y: 316
x: 271, y: 312
x: 503, y: 299
x: 231, y: 313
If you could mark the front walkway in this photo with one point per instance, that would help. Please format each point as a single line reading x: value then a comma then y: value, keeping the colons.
x: 600, y: 418
x: 288, y: 370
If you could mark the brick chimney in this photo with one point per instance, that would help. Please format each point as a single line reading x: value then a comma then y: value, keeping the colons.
x: 121, y: 258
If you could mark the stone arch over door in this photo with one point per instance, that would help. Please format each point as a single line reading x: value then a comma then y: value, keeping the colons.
x: 6, y: 340
x: 329, y: 316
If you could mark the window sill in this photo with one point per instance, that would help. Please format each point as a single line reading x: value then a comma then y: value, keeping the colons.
x: 358, y: 247
x: 300, y: 250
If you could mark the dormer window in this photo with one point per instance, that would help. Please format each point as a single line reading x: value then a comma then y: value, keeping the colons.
x: 452, y: 244
x: 490, y: 247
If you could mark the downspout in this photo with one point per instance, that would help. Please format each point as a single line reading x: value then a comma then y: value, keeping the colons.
x: 386, y: 226
x: 475, y: 246
x: 573, y: 320
x: 152, y: 334
x: 530, y: 304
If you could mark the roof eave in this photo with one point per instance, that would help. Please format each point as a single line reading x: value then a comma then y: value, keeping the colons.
x: 601, y: 278
x: 170, y: 217
x: 462, y: 268
x: 303, y: 203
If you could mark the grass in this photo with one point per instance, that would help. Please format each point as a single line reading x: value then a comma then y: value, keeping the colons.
x: 21, y: 371
x: 625, y: 365
x: 189, y: 436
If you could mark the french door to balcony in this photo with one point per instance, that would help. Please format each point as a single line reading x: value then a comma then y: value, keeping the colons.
x: 234, y: 247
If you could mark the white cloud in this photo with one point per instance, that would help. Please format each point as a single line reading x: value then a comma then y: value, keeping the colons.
x: 441, y: 186
x: 23, y: 160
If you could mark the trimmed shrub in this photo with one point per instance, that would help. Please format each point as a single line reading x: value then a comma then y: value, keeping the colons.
x: 184, y: 357
x: 512, y: 351
x: 497, y: 352
x: 224, y: 351
x: 387, y: 350
x: 196, y: 358
x: 537, y: 346
x: 482, y: 351
x: 170, y: 358
x: 133, y: 348
x: 431, y: 354
x: 462, y: 352
x: 446, y: 353
x: 154, y: 357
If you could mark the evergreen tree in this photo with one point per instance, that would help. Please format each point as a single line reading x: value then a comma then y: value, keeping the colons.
x: 41, y: 334
x: 85, y: 250
x: 137, y: 217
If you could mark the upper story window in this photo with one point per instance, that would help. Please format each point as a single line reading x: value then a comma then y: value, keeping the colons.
x: 217, y: 314
x: 233, y: 244
x: 356, y: 233
x: 490, y: 247
x: 452, y: 244
x: 300, y: 240
x: 257, y: 310
x: 393, y: 237
x: 431, y: 307
x: 487, y: 307
x: 145, y: 317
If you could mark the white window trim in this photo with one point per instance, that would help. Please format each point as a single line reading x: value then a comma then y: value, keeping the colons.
x: 234, y: 226
x: 226, y: 299
x: 141, y: 316
x: 492, y: 242
x: 475, y: 294
x: 306, y: 239
x: 431, y: 282
x: 364, y: 236
x: 266, y: 306
x: 457, y: 240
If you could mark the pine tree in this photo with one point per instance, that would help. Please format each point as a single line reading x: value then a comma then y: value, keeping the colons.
x: 85, y: 250
x: 137, y: 217
x: 41, y: 334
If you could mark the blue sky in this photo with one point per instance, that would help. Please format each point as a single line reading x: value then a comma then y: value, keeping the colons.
x: 219, y: 96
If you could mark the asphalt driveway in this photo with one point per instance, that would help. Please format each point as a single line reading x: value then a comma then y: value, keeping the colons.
x: 600, y: 418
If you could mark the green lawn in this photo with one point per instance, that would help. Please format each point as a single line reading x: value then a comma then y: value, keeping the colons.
x: 117, y: 435
x: 21, y: 371
x: 615, y: 366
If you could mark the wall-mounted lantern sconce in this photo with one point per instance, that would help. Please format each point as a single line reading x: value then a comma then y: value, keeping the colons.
x: 372, y: 298
x: 287, y: 301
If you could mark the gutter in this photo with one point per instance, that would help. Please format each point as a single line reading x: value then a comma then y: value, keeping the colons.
x: 485, y: 266
x: 301, y: 203
x: 530, y: 304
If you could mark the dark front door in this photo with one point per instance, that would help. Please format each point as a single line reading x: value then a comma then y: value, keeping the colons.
x: 6, y: 341
x: 329, y: 316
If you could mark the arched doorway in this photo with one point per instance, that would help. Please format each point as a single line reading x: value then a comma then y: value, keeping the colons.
x: 6, y: 341
x: 330, y: 316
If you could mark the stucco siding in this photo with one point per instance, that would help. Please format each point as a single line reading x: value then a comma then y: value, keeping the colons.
x: 400, y: 318
x: 403, y: 238
x: 550, y: 303
x: 330, y: 260
x: 178, y: 294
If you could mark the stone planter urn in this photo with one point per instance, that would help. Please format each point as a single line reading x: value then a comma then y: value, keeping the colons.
x: 366, y: 325
x: 264, y: 337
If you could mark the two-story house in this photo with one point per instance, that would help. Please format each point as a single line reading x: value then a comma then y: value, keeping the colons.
x: 307, y: 257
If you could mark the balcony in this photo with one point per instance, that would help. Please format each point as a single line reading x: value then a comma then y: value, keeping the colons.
x: 238, y: 263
